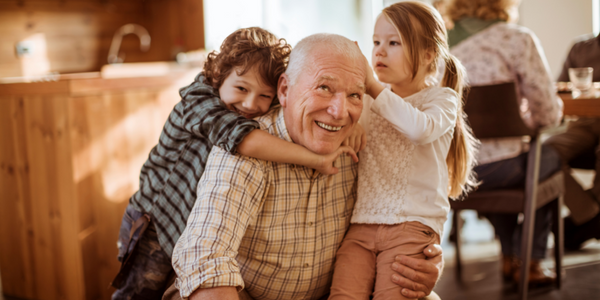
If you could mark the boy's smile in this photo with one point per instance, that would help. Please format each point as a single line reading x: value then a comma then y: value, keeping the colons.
x: 247, y: 94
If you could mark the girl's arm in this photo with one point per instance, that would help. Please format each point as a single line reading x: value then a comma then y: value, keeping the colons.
x: 260, y: 144
x: 421, y: 125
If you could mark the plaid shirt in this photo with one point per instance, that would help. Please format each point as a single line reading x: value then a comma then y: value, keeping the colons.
x: 269, y: 227
x: 169, y: 177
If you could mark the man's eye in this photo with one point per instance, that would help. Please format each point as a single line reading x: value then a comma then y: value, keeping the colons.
x: 324, y: 87
x: 356, y: 96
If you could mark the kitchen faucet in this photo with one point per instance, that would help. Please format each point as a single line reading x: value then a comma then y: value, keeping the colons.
x: 141, y: 32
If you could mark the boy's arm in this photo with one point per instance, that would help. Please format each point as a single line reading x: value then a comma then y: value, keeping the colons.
x: 203, y: 114
x: 262, y: 145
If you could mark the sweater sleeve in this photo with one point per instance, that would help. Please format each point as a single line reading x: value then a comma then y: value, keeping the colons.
x: 536, y: 85
x: 421, y: 126
x: 203, y: 114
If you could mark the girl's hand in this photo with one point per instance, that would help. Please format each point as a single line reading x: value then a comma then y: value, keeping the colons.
x: 373, y: 87
x: 326, y: 162
x: 357, y: 139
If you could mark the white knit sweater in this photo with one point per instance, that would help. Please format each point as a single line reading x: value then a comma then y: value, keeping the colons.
x: 403, y: 174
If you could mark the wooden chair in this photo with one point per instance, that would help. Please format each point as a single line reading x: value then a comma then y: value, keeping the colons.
x: 493, y: 112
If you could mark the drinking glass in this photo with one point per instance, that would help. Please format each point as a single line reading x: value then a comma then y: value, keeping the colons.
x: 581, y: 79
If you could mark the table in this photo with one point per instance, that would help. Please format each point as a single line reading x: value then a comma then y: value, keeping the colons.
x: 583, y: 107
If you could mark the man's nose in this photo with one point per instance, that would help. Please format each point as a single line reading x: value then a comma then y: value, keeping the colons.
x: 338, y: 107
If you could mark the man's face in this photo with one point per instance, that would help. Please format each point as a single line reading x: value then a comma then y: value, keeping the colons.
x: 325, y: 103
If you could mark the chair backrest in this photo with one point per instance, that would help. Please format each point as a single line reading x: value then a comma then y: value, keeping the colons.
x: 493, y: 111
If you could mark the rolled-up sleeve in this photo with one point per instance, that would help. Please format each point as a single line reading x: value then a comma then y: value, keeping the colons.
x: 230, y: 194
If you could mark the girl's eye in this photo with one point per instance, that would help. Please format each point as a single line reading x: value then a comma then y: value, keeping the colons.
x: 267, y: 96
x: 242, y: 89
x: 376, y: 43
x: 393, y: 43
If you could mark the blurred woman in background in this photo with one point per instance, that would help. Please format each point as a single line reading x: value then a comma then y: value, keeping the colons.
x: 495, y: 50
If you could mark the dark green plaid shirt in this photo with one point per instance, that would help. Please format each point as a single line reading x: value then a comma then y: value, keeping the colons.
x: 169, y: 178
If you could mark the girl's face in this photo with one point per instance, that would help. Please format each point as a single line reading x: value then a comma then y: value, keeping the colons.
x: 247, y: 94
x: 389, y: 58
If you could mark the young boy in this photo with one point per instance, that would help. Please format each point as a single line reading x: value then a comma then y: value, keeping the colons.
x: 244, y: 75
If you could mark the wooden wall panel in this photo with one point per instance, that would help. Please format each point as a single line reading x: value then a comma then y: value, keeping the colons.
x: 72, y: 162
x: 16, y: 253
x: 78, y: 33
x: 59, y: 271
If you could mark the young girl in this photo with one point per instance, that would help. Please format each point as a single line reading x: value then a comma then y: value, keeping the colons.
x: 244, y: 75
x: 420, y: 151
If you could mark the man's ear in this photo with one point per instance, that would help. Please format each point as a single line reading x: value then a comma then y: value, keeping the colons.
x: 282, y: 89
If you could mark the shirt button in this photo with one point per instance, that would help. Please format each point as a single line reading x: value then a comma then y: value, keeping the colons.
x: 310, y: 223
x: 306, y: 265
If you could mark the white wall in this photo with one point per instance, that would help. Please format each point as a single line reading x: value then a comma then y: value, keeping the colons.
x: 557, y: 23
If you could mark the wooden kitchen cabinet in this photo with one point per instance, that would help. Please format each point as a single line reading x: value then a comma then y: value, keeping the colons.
x: 70, y: 156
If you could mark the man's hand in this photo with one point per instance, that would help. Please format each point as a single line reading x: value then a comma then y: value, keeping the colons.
x: 357, y: 139
x: 418, y: 276
x: 325, y: 164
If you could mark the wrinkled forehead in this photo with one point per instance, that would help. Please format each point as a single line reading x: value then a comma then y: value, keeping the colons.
x: 337, y: 68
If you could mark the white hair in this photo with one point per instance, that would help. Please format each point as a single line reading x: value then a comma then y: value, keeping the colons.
x: 333, y: 43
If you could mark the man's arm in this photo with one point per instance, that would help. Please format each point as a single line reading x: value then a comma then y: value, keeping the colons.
x: 229, y: 196
x: 217, y: 293
x: 419, y: 276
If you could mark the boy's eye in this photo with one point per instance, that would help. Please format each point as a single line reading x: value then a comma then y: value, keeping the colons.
x: 267, y: 96
x: 376, y: 43
x: 242, y: 89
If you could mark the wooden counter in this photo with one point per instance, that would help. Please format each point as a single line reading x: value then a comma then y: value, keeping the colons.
x: 583, y: 107
x: 70, y: 156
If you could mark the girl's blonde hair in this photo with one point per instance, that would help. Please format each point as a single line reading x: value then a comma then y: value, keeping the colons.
x: 505, y: 10
x: 421, y: 30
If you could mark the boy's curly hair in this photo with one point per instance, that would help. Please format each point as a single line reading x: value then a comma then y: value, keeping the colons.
x: 244, y: 49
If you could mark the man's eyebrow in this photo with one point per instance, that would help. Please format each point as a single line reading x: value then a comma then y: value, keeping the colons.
x: 361, y: 86
x: 327, y: 78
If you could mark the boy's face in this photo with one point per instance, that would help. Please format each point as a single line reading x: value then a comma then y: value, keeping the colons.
x: 247, y: 95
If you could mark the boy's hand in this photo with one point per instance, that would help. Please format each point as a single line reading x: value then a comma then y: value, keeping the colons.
x: 357, y: 139
x: 325, y: 164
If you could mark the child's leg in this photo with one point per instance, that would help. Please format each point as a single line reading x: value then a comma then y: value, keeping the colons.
x: 355, y: 261
x: 409, y: 238
x: 149, y: 266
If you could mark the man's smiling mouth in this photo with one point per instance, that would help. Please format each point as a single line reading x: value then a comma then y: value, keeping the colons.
x: 327, y: 127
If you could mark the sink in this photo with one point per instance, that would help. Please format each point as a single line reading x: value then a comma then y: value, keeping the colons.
x: 142, y: 69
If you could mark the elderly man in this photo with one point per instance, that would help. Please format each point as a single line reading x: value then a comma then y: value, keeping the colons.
x: 271, y: 230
